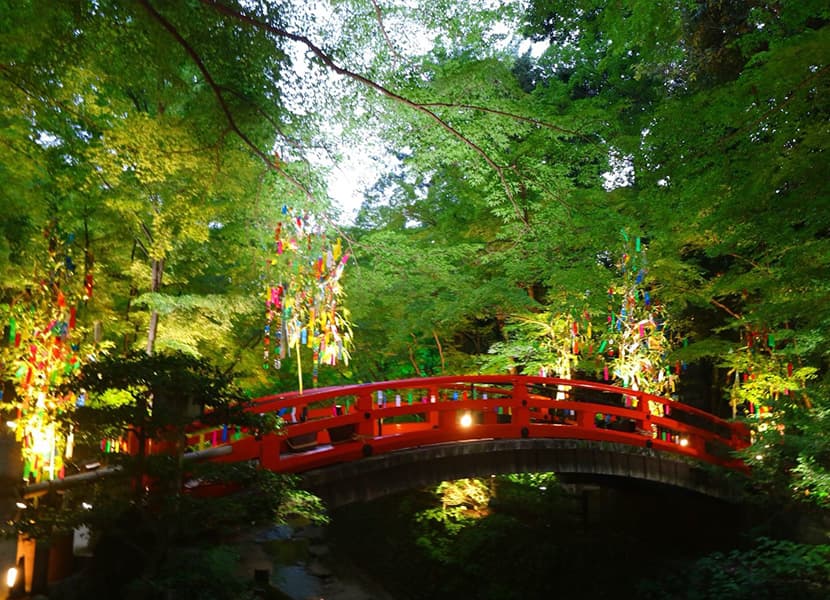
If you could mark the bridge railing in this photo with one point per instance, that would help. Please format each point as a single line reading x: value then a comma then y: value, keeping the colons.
x: 329, y: 425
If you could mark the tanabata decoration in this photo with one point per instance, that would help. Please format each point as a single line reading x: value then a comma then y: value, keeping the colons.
x: 762, y: 371
x: 550, y: 344
x: 554, y: 341
x: 637, y: 340
x: 41, y: 350
x: 303, y: 298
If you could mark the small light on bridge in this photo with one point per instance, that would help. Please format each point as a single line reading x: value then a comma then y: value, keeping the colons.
x: 11, y: 577
x: 466, y: 420
x: 684, y: 442
x: 21, y: 505
x: 86, y: 506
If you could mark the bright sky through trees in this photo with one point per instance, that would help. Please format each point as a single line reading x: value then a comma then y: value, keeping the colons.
x: 358, y: 168
x: 362, y: 159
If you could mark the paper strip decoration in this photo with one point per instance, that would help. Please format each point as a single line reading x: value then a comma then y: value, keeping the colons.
x: 303, y: 298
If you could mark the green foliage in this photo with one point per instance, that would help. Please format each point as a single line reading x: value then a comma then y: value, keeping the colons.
x: 538, y: 342
x: 120, y: 140
x: 194, y: 573
x: 167, y: 391
x: 145, y: 131
x: 409, y: 298
x: 791, y: 453
x: 533, y: 543
x: 145, y: 520
x: 300, y: 505
x: 539, y: 481
x: 462, y: 503
x: 697, y: 125
x: 771, y: 569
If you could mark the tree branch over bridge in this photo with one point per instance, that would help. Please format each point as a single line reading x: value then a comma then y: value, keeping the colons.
x: 424, y: 109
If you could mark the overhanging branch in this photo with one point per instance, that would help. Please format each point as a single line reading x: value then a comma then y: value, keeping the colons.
x: 509, y: 115
x: 328, y: 61
x: 379, y: 18
x: 217, y: 92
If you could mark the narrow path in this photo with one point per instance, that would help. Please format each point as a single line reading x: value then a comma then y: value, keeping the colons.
x: 301, y: 565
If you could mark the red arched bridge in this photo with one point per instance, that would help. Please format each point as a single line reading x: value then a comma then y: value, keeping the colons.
x: 358, y: 442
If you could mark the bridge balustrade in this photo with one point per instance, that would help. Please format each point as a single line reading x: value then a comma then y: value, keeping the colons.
x: 331, y: 425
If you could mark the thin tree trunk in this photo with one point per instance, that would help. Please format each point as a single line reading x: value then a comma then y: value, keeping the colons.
x: 412, y: 356
x: 440, y: 350
x: 151, y: 332
x: 155, y: 286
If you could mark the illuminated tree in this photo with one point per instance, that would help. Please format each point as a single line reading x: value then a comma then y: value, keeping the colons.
x: 45, y: 345
x: 302, y: 304
x: 637, y: 340
x: 543, y: 343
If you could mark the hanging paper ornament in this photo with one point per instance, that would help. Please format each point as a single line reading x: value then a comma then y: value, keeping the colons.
x: 637, y: 328
x: 44, y: 323
x: 302, y: 308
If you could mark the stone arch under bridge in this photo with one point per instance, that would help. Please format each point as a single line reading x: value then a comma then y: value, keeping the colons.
x: 377, y: 476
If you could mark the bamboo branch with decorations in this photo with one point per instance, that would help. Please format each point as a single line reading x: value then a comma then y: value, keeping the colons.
x: 303, y: 296
x: 43, y: 346
x: 546, y: 343
x: 631, y: 350
x: 637, y: 339
x: 764, y: 376
x: 769, y: 383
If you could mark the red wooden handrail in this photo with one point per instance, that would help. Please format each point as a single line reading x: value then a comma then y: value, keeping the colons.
x: 329, y: 425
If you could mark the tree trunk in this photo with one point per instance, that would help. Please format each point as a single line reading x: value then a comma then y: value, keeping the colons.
x: 440, y: 351
x: 155, y: 286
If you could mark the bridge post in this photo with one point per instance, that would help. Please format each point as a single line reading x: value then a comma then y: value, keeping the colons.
x: 521, y: 412
x: 446, y: 419
x: 645, y: 411
x: 269, y: 451
x: 366, y: 427
x: 434, y: 415
x: 585, y: 418
x: 491, y: 415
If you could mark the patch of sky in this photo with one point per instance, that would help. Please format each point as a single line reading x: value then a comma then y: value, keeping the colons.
x: 621, y: 172
x: 318, y: 94
x: 47, y: 140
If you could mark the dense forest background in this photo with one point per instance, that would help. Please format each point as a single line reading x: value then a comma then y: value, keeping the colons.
x: 546, y: 171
